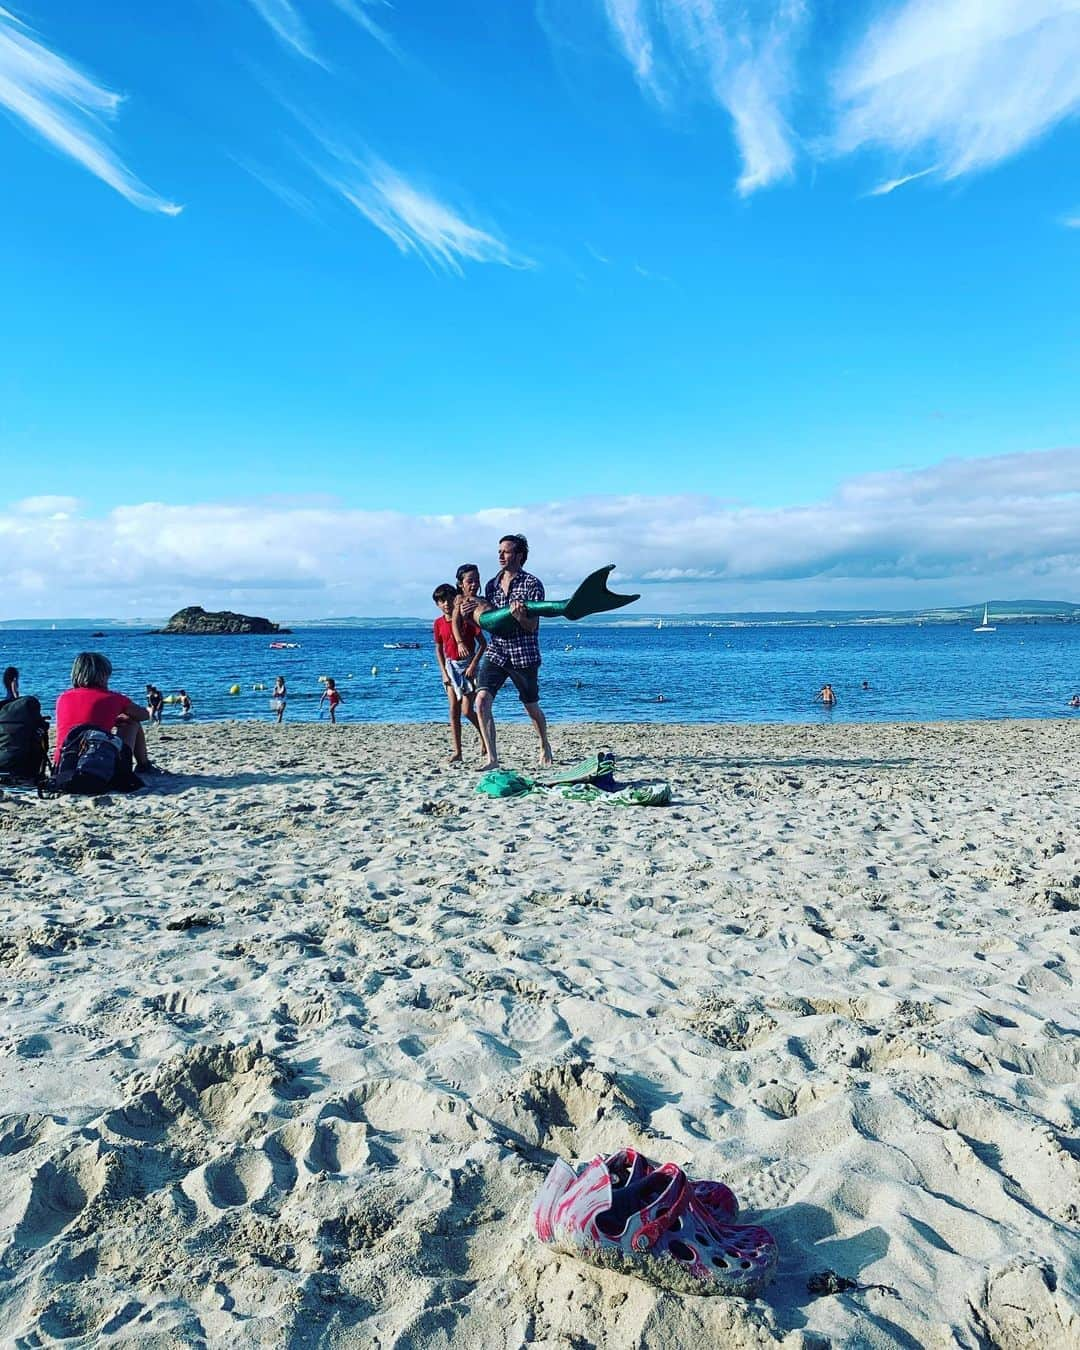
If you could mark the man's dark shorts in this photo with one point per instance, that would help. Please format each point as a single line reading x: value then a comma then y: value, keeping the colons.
x: 526, y: 679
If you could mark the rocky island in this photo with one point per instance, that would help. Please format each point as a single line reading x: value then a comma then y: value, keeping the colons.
x: 194, y: 621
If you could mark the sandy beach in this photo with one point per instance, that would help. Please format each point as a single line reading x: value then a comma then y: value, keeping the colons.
x: 289, y: 1041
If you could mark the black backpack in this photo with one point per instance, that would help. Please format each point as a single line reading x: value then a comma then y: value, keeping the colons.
x: 24, y: 744
x: 94, y: 761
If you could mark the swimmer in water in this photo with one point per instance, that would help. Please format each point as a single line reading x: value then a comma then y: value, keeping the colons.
x: 1074, y: 702
x: 826, y: 695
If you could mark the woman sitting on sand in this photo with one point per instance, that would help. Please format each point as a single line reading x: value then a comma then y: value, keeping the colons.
x: 90, y: 702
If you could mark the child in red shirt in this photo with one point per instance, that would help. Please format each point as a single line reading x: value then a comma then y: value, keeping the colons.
x: 459, y: 644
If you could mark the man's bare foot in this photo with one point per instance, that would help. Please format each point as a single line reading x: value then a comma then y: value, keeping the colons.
x: 454, y: 759
x: 546, y: 762
x: 488, y: 765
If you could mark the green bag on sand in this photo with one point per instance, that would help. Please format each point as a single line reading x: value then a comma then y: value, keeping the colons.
x: 575, y: 785
x: 504, y: 783
x: 645, y: 794
x: 591, y: 769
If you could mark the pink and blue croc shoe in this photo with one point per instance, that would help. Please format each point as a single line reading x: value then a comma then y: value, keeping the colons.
x: 627, y: 1213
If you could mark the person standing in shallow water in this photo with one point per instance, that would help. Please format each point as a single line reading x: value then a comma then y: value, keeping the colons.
x: 280, y: 697
x: 514, y: 658
x: 155, y: 701
x: 826, y: 695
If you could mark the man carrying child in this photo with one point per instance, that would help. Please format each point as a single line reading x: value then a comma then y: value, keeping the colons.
x: 515, y: 658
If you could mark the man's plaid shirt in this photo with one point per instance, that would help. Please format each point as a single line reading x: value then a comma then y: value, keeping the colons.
x: 524, y: 648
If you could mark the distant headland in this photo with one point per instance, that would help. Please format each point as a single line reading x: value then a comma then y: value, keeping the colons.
x: 194, y: 621
x: 197, y: 621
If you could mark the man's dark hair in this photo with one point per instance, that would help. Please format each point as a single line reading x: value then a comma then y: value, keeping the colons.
x: 444, y: 592
x: 520, y: 543
x: 10, y: 676
x: 466, y: 567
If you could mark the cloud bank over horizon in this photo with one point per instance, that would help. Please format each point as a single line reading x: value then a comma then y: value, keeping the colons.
x: 1006, y: 526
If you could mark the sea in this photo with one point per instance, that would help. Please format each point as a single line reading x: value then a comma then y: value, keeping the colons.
x: 601, y: 673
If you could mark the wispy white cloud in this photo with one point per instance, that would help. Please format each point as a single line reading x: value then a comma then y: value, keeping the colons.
x: 416, y: 221
x: 740, y: 57
x: 650, y: 276
x: 67, y: 108
x: 358, y: 11
x: 287, y: 22
x: 968, y: 82
x: 961, y: 83
x: 288, y: 26
x: 1071, y: 222
x: 883, y: 189
x: 957, y: 526
x: 632, y: 32
x: 289, y: 196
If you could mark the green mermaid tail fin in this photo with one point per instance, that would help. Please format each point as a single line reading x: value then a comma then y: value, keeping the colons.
x: 593, y: 596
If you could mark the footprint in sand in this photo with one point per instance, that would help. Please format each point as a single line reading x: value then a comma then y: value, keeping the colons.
x: 532, y: 1024
x: 333, y: 1144
x: 58, y: 1194
x: 238, y: 1178
x: 22, y: 1132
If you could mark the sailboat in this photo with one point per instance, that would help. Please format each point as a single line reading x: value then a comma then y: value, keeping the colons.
x: 986, y: 626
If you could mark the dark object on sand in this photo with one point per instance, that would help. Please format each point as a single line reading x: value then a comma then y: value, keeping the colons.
x: 198, y: 622
x: 591, y: 597
x: 828, y: 1282
x: 186, y: 922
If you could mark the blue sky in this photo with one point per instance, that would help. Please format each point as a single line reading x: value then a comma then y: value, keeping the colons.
x: 304, y: 299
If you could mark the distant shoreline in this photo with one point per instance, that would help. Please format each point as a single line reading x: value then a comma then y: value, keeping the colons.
x: 147, y: 629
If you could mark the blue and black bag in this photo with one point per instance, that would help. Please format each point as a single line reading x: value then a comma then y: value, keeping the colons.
x: 93, y: 761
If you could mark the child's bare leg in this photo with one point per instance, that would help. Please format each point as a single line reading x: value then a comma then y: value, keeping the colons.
x: 470, y: 712
x: 455, y: 725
